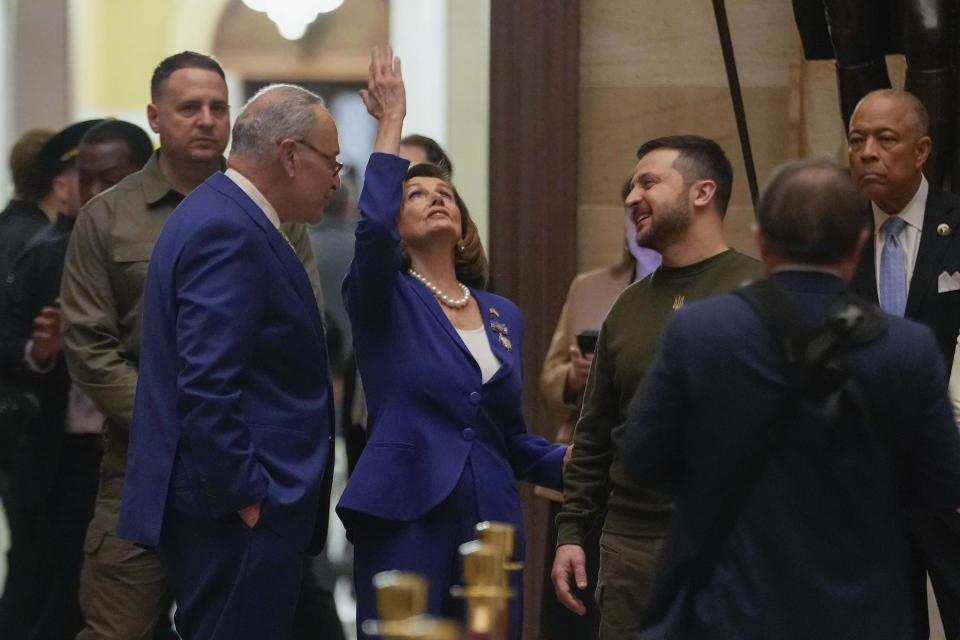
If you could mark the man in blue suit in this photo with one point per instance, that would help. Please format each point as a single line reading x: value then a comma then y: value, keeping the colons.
x: 228, y: 471
x: 816, y: 549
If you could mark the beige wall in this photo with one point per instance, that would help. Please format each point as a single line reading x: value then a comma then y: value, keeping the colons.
x: 468, y: 118
x: 655, y: 68
x: 41, y: 75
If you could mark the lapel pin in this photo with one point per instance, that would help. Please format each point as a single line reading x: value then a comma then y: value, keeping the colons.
x: 494, y: 312
x: 505, y: 341
x: 499, y: 327
x: 943, y: 229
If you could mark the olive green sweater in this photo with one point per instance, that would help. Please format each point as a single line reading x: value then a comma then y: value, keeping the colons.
x: 595, y: 477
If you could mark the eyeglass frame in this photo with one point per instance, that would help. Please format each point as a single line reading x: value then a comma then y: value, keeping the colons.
x: 337, y: 166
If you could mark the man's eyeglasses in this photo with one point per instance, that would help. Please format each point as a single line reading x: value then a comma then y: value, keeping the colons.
x: 336, y: 166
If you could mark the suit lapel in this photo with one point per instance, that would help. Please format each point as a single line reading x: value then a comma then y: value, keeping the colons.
x: 932, y: 247
x: 499, y: 333
x: 865, y: 279
x: 433, y: 306
x: 284, y: 252
x: 488, y: 317
x: 298, y: 275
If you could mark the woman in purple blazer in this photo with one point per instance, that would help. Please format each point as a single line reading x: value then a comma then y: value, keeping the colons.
x: 441, y: 367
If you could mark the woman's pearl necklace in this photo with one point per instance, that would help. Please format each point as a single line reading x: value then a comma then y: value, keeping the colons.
x: 450, y: 302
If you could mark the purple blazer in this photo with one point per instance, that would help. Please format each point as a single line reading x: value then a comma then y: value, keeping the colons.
x: 428, y: 408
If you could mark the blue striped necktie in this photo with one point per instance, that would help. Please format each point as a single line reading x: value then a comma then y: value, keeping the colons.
x: 893, y: 268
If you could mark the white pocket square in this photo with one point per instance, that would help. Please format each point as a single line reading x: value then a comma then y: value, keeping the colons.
x: 948, y: 282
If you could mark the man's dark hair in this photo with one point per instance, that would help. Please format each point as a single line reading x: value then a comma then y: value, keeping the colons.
x: 182, y: 60
x: 136, y: 139
x: 435, y: 153
x: 29, y: 181
x: 812, y: 212
x: 700, y: 159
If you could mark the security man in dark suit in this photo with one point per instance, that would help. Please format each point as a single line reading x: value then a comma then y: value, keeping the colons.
x: 911, y: 267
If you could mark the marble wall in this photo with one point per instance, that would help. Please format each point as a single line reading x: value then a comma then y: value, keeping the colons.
x: 655, y: 68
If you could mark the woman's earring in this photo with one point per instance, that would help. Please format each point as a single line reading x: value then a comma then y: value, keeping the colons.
x: 460, y: 247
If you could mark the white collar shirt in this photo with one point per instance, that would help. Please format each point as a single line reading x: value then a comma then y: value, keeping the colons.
x: 912, y: 214
x: 258, y: 198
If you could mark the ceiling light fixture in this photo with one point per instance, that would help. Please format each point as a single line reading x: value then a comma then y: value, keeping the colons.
x: 292, y: 17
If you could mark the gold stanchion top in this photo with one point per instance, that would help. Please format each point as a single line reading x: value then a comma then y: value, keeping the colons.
x: 499, y: 534
x: 440, y: 630
x: 502, y: 536
x: 400, y: 595
x: 416, y: 628
x: 482, y: 564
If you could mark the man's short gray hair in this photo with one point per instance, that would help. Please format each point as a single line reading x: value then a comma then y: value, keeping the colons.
x: 287, y: 113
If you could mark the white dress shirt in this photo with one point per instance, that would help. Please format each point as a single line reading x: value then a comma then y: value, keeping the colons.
x: 478, y: 344
x: 258, y: 198
x: 912, y: 214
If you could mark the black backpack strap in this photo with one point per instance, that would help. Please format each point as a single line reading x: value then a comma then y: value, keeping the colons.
x: 809, y: 352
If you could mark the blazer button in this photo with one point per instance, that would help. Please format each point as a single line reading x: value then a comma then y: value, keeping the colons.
x: 468, y: 434
x: 475, y: 397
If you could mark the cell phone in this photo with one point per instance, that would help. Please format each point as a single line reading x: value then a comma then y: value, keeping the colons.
x: 587, y: 341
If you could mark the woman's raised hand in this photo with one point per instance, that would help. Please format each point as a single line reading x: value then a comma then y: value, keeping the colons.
x: 385, y: 97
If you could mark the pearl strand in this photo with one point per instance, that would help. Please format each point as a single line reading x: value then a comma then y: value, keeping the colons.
x: 450, y: 302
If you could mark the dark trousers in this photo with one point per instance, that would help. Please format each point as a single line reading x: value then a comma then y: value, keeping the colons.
x: 40, y: 600
x: 316, y: 617
x: 427, y: 546
x: 935, y: 550
x: 230, y: 582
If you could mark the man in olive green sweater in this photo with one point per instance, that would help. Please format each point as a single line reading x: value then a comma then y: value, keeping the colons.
x: 680, y: 189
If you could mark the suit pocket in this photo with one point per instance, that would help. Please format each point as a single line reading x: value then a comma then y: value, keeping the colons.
x: 393, y: 445
x: 130, y: 261
x: 286, y: 430
x: 947, y: 318
x: 93, y: 539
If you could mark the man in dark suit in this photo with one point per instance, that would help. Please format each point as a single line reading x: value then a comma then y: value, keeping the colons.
x: 56, y: 461
x: 816, y: 549
x: 910, y: 265
x: 229, y: 464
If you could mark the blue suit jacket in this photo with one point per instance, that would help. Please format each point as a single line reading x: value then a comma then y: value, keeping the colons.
x: 233, y: 401
x: 428, y: 409
x: 818, y: 550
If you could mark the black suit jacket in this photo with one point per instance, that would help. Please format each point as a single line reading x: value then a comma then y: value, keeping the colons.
x: 937, y: 253
x: 19, y: 222
x: 34, y: 282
